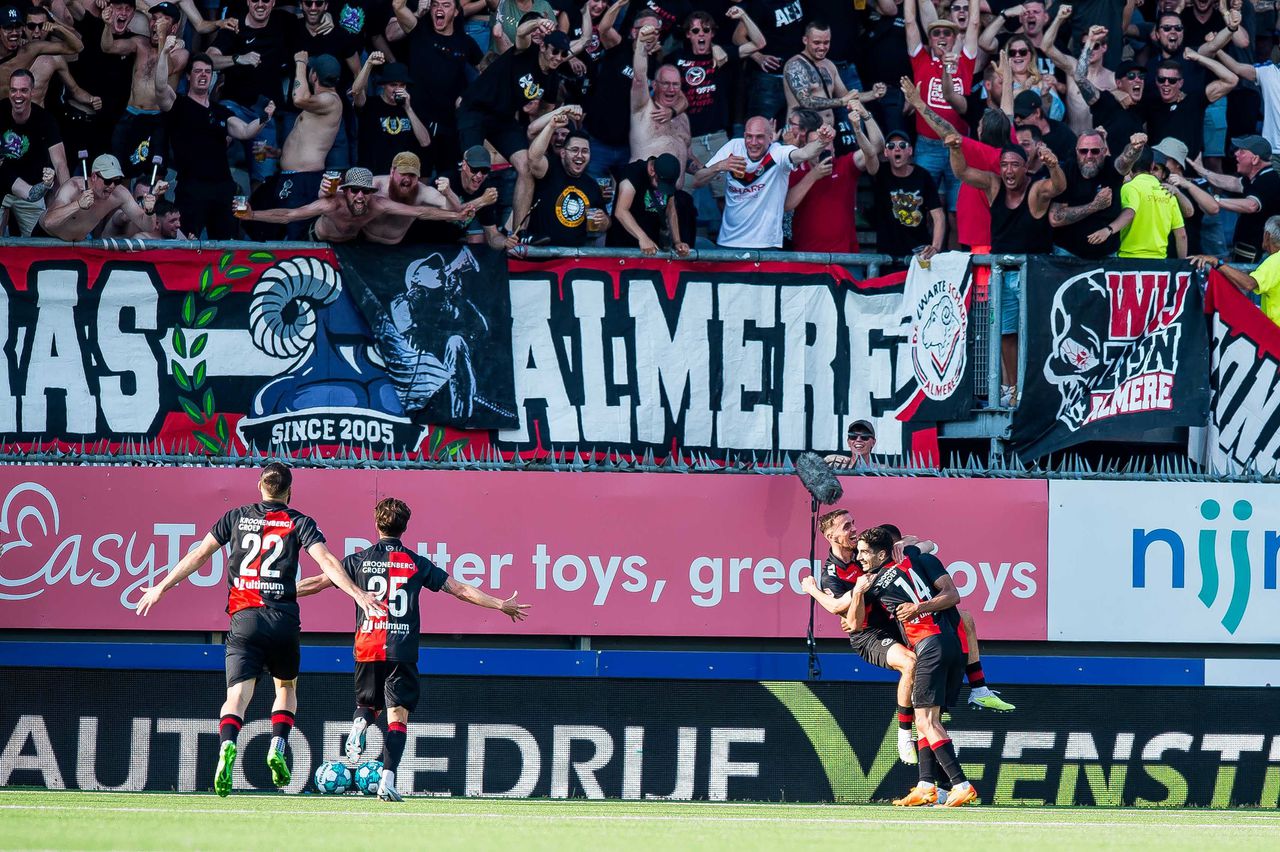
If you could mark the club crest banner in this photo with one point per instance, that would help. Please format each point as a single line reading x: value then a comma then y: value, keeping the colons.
x: 1113, y: 351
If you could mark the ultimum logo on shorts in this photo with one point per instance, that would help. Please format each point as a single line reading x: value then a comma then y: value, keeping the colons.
x: 1230, y: 580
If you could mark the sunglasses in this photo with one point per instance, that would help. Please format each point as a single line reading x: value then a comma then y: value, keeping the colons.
x: 700, y: 31
x: 34, y: 26
x: 1168, y: 81
x: 897, y: 146
x: 860, y: 436
x: 1020, y: 52
x: 110, y: 181
x: 1171, y: 28
x: 480, y: 172
x: 315, y: 4
x: 359, y: 190
x: 1133, y: 75
x: 1088, y: 152
x: 555, y: 51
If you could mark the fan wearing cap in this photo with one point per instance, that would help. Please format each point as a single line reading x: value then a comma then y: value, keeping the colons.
x: 1028, y: 109
x: 1265, y: 280
x: 648, y: 200
x: 140, y: 133
x: 566, y: 197
x: 861, y: 440
x: 22, y: 53
x: 404, y: 186
x: 1258, y: 184
x: 388, y: 123
x: 471, y: 180
x: 501, y: 104
x: 343, y: 217
x: 929, y: 64
x: 78, y: 210
x: 1120, y: 111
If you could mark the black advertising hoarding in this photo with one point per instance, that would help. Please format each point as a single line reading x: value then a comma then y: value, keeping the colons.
x: 636, y: 739
x: 1113, y: 350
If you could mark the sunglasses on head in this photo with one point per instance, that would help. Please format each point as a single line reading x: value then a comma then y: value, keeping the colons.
x: 1020, y: 52
x: 1168, y: 81
x: 898, y: 145
x: 1171, y: 28
x: 1088, y: 152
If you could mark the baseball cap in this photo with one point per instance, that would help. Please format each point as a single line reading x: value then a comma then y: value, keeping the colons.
x: 407, y: 163
x: 393, y: 72
x: 10, y: 17
x: 1172, y: 149
x: 666, y: 170
x: 107, y: 166
x: 861, y: 426
x: 1026, y: 103
x: 167, y: 9
x: 477, y: 157
x: 1254, y: 145
x: 899, y: 133
x: 357, y: 178
x: 326, y: 68
x: 557, y: 39
x: 1126, y: 66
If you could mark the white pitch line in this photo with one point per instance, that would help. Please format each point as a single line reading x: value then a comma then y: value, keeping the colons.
x: 381, y: 814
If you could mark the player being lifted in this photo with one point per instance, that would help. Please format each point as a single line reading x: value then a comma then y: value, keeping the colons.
x: 386, y: 647
x: 879, y: 643
x: 922, y: 599
x: 266, y: 539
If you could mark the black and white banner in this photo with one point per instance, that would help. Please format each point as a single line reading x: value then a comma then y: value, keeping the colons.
x: 441, y: 319
x: 652, y: 355
x: 1112, y: 351
x: 1244, y: 432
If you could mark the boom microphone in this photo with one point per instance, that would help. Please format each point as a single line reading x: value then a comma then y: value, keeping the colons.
x: 818, y: 479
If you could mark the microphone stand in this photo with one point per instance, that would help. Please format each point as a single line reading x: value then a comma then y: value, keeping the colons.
x: 815, y: 668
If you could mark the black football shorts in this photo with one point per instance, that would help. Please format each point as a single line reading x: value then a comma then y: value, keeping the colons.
x: 387, y: 683
x: 873, y: 644
x: 260, y: 638
x: 939, y: 672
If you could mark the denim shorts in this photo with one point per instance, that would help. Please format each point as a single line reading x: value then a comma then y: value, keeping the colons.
x: 1009, y: 298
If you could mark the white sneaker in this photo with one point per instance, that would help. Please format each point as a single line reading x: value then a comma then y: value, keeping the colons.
x: 386, y: 788
x: 355, y: 740
x: 907, y: 747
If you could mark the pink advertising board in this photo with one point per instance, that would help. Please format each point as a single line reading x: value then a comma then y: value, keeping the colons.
x: 596, y: 554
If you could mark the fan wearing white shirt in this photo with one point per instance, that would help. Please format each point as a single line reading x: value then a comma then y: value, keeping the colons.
x: 756, y: 170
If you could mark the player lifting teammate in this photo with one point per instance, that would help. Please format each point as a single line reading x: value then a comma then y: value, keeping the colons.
x: 878, y: 643
x: 922, y: 599
x: 386, y: 647
x: 262, y: 573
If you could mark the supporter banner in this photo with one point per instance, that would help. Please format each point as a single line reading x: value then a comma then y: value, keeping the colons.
x: 191, y: 351
x: 596, y: 554
x: 720, y: 357
x: 1112, y: 352
x: 1244, y: 431
x: 442, y: 322
x: 1163, y: 562
x: 594, y: 738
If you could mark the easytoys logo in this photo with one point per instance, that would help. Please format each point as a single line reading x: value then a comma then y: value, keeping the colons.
x: 1231, y: 578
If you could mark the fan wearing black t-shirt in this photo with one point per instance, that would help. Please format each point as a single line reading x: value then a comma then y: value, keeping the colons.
x: 386, y: 646
x: 198, y: 129
x: 266, y: 540
x: 566, y: 197
x: 647, y: 201
x: 388, y: 122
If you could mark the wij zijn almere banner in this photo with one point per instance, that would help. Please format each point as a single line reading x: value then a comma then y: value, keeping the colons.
x: 429, y: 350
x: 594, y: 553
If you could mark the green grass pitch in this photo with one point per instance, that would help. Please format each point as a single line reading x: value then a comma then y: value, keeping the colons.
x: 154, y: 821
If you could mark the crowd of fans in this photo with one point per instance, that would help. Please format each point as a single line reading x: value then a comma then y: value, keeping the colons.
x: 1137, y: 128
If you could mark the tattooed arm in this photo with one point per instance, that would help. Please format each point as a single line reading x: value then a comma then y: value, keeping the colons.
x: 800, y: 77
x: 1088, y: 91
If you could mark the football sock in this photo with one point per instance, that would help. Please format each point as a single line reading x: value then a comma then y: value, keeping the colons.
x: 905, y: 715
x: 945, y: 754
x: 973, y: 673
x: 229, y: 728
x: 928, y: 766
x: 281, y: 725
x: 366, y: 713
x: 393, y: 746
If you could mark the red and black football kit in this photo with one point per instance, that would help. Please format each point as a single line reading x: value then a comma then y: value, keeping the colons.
x: 266, y: 541
x: 873, y: 642
x: 386, y: 648
x: 932, y: 635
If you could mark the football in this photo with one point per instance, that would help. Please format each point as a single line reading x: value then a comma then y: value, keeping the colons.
x: 333, y: 777
x: 368, y: 776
